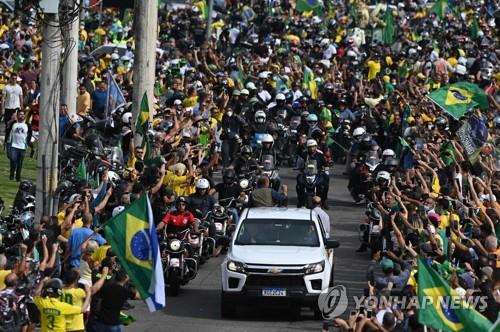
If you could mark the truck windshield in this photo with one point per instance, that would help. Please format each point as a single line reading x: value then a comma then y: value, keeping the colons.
x: 266, y: 232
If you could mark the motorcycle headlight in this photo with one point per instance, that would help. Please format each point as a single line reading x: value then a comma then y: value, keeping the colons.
x: 244, y: 184
x: 174, y: 245
x: 236, y: 266
x: 314, y: 268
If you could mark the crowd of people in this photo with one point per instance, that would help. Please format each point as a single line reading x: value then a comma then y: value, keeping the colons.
x: 343, y: 82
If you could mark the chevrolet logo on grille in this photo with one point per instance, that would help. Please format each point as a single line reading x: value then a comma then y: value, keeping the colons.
x: 274, y: 271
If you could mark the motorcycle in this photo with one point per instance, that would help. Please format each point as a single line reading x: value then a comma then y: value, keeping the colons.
x: 308, y: 184
x: 178, y: 268
x: 202, y: 243
x: 268, y: 169
x: 247, y: 181
x: 370, y: 230
x: 361, y: 177
x: 222, y: 229
x: 293, y: 140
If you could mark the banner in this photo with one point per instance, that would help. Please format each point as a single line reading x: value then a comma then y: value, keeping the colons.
x: 115, y: 96
x: 473, y: 134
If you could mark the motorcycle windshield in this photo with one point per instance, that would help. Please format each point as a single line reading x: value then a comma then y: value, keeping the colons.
x: 372, y: 159
x: 267, y: 162
x: 311, y: 168
x: 281, y: 114
x: 116, y: 155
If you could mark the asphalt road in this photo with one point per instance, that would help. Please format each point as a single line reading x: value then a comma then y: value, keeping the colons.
x: 197, y: 306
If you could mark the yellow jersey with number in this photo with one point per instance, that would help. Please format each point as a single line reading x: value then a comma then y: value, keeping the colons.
x: 75, y: 297
x: 53, y: 313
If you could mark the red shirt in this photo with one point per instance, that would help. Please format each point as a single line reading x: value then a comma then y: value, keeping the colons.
x: 179, y: 219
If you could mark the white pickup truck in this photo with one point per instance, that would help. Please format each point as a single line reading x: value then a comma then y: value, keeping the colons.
x: 277, y: 254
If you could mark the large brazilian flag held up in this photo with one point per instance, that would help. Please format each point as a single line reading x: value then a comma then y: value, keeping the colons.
x: 132, y: 235
x: 440, y: 306
x: 456, y: 99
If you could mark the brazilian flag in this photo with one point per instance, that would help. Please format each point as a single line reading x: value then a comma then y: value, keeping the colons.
x: 456, y: 99
x: 203, y: 7
x: 309, y: 83
x: 316, y: 6
x: 442, y: 7
x: 142, y: 123
x: 440, y: 306
x: 132, y: 235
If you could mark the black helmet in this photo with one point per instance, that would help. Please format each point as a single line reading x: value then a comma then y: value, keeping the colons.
x: 229, y: 174
x: 26, y: 185
x: 53, y: 287
x: 246, y: 149
x: 181, y: 199
x: 441, y: 121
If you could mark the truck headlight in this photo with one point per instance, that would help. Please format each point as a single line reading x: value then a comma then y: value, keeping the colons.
x: 236, y: 266
x: 314, y: 268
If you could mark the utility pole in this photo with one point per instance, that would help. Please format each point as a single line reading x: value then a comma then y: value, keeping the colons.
x: 209, y: 20
x: 70, y: 28
x: 145, y: 26
x: 46, y: 181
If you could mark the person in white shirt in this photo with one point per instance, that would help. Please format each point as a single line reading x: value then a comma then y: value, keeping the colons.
x: 12, y: 100
x: 323, y: 216
x: 18, y: 140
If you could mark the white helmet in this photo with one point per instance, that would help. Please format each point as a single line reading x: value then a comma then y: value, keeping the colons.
x: 360, y: 131
x: 127, y: 117
x: 251, y: 86
x: 117, y: 210
x: 311, y: 143
x: 385, y: 176
x: 260, y: 117
x: 280, y: 96
x: 264, y: 74
x: 112, y: 176
x: 202, y: 184
x: 388, y: 153
x: 267, y: 138
x: 244, y: 92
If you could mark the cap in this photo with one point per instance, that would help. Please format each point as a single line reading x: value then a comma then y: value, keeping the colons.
x: 245, y: 92
x: 387, y: 264
x: 177, y: 102
x: 251, y: 86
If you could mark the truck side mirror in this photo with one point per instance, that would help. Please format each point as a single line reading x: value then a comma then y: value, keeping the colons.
x: 332, y: 244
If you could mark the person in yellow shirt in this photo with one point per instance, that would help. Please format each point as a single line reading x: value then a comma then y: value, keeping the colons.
x: 83, y: 101
x: 53, y: 312
x: 73, y: 295
x: 374, y: 68
x: 3, y: 271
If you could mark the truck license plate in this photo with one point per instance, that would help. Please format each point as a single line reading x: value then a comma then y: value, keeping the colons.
x: 274, y: 292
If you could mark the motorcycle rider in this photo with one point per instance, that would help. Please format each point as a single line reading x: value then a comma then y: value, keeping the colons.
x: 201, y: 202
x: 279, y: 104
x: 266, y: 148
x: 373, y: 217
x: 227, y: 189
x: 311, y: 153
x: 231, y: 126
x: 178, y: 219
x: 245, y: 162
x: 313, y: 130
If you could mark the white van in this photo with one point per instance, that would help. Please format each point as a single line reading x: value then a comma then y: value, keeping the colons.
x: 277, y: 254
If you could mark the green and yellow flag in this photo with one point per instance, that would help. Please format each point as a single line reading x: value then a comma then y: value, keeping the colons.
x: 389, y: 28
x: 203, y: 7
x: 309, y: 83
x: 142, y: 123
x: 81, y: 171
x: 132, y: 235
x: 309, y: 5
x: 442, y: 7
x: 440, y: 306
x: 456, y: 99
x: 474, y: 29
